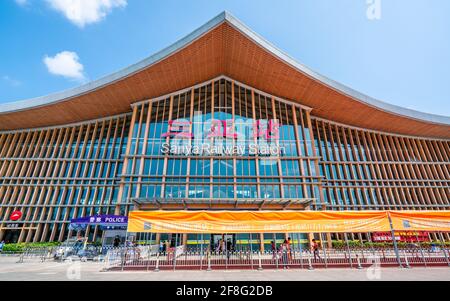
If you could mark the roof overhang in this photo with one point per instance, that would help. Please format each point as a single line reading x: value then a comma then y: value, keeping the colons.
x: 219, y: 204
x: 223, y: 46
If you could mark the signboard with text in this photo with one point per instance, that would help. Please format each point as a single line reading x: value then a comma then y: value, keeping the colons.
x: 401, y: 236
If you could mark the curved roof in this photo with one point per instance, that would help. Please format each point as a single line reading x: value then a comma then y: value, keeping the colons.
x: 223, y: 46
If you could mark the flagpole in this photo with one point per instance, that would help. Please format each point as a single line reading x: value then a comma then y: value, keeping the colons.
x: 394, y: 241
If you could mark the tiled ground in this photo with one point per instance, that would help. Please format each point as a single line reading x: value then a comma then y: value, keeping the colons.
x: 36, y: 270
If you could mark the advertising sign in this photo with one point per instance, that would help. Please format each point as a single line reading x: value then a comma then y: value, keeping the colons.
x: 15, y: 215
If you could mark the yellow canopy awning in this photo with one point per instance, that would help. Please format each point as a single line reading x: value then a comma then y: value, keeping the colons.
x: 285, y: 221
x: 256, y: 221
x: 421, y: 220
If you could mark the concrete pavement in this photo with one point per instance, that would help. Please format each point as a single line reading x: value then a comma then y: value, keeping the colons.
x: 33, y: 269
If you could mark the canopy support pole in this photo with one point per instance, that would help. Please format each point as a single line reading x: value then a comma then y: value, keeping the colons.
x: 394, y: 241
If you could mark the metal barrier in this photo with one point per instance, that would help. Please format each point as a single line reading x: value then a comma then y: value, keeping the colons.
x: 146, y: 258
x: 32, y: 254
x: 151, y: 259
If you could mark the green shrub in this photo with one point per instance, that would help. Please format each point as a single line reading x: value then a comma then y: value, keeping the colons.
x: 338, y: 244
x: 20, y: 247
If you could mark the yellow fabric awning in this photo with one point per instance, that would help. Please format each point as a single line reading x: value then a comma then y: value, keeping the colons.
x: 257, y: 221
x: 421, y: 220
x: 285, y: 221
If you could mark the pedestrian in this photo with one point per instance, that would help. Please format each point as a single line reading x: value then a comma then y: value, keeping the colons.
x: 168, y: 250
x: 289, y: 251
x: 223, y: 245
x: 167, y: 244
x: 229, y: 248
x: 116, y: 242
x: 2, y: 244
x: 315, y: 249
x: 219, y: 245
x: 284, y: 255
x: 274, y: 249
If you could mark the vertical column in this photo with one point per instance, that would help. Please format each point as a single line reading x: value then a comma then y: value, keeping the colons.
x: 126, y: 159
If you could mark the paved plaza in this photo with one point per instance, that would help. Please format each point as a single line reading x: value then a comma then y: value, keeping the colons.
x: 33, y: 269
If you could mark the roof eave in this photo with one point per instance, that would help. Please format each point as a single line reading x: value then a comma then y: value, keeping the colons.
x: 187, y: 40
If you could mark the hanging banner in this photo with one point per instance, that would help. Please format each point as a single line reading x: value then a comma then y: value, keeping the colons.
x: 257, y: 221
x: 402, y: 236
x: 421, y: 220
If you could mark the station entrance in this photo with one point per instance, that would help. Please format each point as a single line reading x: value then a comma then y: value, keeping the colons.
x: 239, y: 239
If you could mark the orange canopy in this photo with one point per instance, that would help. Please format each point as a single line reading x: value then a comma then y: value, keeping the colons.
x: 285, y: 221
x: 257, y: 221
x: 421, y: 220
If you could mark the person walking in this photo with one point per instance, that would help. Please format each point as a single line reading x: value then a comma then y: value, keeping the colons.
x: 229, y: 248
x: 223, y: 246
x: 167, y: 243
x: 219, y: 246
x: 116, y: 242
x: 289, y: 250
x: 315, y: 249
x: 284, y: 255
x: 274, y: 249
x: 161, y: 246
x: 168, y: 250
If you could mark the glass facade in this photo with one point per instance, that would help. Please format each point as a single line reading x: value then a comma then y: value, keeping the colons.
x: 237, y: 177
x: 55, y: 174
x: 218, y: 145
x: 370, y: 170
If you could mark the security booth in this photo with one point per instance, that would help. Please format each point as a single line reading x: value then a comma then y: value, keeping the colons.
x: 112, y: 226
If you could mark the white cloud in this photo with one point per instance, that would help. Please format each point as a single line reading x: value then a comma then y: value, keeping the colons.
x: 21, y: 2
x: 11, y: 81
x: 65, y: 64
x: 82, y: 12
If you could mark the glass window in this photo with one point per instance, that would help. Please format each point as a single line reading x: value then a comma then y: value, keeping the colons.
x: 290, y: 167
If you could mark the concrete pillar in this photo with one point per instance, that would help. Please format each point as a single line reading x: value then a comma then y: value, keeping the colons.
x: 44, y: 233
x: 117, y: 210
x: 29, y: 235
x: 434, y: 236
x: 261, y: 241
x: 94, y: 237
x: 360, y: 238
x: 86, y: 233
x: 310, y: 238
x: 37, y: 234
x: 103, y: 236
x: 329, y: 243
x: 369, y: 237
x: 21, y: 235
x: 61, y: 236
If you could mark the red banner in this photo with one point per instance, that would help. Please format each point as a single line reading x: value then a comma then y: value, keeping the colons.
x: 402, y: 236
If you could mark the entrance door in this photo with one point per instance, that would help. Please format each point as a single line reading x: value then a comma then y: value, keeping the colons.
x: 11, y: 236
x: 215, y: 239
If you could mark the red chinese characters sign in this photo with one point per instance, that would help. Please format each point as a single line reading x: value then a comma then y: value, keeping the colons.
x: 267, y: 129
x: 15, y: 215
x: 402, y: 236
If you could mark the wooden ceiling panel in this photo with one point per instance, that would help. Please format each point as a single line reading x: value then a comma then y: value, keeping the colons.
x: 224, y: 50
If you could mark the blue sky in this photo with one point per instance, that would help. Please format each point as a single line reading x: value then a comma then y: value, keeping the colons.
x: 401, y: 58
